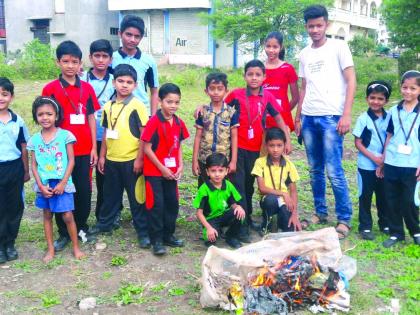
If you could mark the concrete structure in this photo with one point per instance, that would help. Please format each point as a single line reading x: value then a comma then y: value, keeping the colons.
x: 356, y: 17
x: 52, y: 21
x: 176, y: 35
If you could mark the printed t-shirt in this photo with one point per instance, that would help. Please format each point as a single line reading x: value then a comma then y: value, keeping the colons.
x: 277, y: 82
x: 166, y: 142
x: 252, y: 122
x: 75, y: 99
x: 125, y: 118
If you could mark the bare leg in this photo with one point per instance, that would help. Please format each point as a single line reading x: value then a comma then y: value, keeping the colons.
x: 48, y: 231
x: 71, y: 228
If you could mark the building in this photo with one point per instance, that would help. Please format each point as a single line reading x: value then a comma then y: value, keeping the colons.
x: 53, y: 21
x: 356, y: 17
x: 175, y: 33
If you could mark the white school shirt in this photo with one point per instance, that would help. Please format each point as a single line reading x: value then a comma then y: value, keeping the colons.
x: 322, y: 68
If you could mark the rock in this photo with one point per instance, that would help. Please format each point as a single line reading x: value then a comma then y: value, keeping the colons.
x: 100, y: 246
x: 87, y: 304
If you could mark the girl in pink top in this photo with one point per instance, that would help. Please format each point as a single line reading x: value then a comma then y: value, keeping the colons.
x: 279, y: 76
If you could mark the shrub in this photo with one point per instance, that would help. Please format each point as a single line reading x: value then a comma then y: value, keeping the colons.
x: 409, y: 60
x: 361, y: 45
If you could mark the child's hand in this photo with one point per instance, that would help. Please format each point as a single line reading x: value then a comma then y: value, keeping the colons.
x: 232, y: 167
x: 93, y: 158
x: 378, y: 160
x: 101, y: 165
x: 288, y: 148
x: 294, y: 219
x: 418, y: 174
x: 46, y: 191
x: 195, y: 168
x: 239, y: 212
x: 380, y: 171
x: 298, y: 127
x: 212, y: 234
x: 198, y: 111
x: 26, y: 177
x: 138, y: 166
x: 59, y: 188
x: 167, y: 173
x: 288, y: 202
x: 178, y: 174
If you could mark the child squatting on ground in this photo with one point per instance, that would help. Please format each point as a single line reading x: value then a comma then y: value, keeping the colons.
x: 370, y: 135
x: 52, y: 163
x: 401, y: 166
x: 217, y: 203
x: 216, y: 128
x: 276, y: 178
x: 14, y: 171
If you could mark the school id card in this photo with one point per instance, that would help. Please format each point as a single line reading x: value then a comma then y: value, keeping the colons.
x: 77, y: 119
x: 170, y: 162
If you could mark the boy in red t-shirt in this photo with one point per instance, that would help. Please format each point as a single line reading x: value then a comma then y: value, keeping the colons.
x: 253, y: 104
x: 79, y: 103
x: 163, y: 167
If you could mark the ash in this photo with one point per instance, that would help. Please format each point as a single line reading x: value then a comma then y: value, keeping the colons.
x: 260, y: 300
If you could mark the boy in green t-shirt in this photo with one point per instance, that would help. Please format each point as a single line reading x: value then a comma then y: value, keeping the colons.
x: 216, y: 203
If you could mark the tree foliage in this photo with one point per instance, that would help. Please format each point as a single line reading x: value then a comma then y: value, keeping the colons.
x: 362, y: 45
x: 402, y: 21
x: 252, y: 20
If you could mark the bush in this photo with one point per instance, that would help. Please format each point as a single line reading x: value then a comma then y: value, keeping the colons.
x: 361, y: 45
x: 6, y: 70
x: 409, y: 60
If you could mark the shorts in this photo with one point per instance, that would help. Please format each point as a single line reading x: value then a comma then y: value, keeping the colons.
x: 56, y: 203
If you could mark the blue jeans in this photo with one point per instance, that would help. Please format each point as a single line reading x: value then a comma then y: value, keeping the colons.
x: 324, y: 150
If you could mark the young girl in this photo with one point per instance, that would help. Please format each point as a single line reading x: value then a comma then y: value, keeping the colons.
x: 52, y: 164
x: 279, y: 76
x: 370, y: 135
x: 402, y: 162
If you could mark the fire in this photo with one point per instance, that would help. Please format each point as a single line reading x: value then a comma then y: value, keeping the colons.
x: 297, y: 285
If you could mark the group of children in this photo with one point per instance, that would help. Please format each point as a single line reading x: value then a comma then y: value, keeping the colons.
x: 102, y: 119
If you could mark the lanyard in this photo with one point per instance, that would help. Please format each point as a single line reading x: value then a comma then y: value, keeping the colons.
x: 165, y: 135
x: 248, y: 111
x: 103, y: 90
x: 271, y: 176
x: 379, y: 135
x: 412, y: 125
x: 78, y: 109
x: 118, y: 116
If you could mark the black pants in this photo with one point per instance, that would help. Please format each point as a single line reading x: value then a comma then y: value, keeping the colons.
x: 162, y: 206
x: 227, y: 219
x: 270, y: 206
x: 370, y: 184
x: 244, y: 181
x: 11, y: 200
x: 82, y: 197
x: 400, y: 185
x: 120, y: 176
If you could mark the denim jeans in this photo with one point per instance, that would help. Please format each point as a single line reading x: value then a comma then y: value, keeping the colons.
x: 324, y: 150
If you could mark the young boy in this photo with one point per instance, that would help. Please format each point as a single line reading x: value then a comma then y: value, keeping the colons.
x: 79, y: 104
x: 131, y: 33
x: 216, y: 128
x: 252, y: 103
x: 370, y: 135
x: 14, y: 171
x: 100, y: 78
x: 216, y: 203
x: 276, y: 179
x: 121, y: 156
x: 163, y: 167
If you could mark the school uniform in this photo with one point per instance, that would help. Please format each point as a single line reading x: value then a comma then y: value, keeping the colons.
x: 147, y: 74
x: 252, y: 111
x: 162, y: 202
x: 13, y: 134
x: 277, y: 177
x: 104, y: 90
x: 122, y: 121
x: 371, y: 129
x: 216, y: 204
x: 216, y: 134
x: 77, y: 101
x: 402, y: 158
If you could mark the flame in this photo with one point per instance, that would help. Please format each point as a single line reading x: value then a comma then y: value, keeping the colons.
x: 297, y: 285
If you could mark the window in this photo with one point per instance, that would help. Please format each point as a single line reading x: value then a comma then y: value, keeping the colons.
x: 363, y: 8
x: 113, y: 31
x: 373, y: 10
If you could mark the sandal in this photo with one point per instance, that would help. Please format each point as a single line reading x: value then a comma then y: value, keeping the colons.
x: 342, y: 230
x: 304, y: 224
x: 316, y: 219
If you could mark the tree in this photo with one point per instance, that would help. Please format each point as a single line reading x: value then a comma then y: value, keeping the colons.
x: 402, y: 21
x: 252, y: 20
x: 362, y: 45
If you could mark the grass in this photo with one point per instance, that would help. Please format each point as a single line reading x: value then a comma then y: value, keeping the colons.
x: 382, y: 273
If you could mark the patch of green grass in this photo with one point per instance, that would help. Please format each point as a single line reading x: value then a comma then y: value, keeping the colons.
x: 176, y: 291
x: 57, y: 261
x: 118, y: 261
x: 159, y: 287
x: 50, y: 298
x: 129, y: 293
x: 29, y: 265
x: 106, y: 275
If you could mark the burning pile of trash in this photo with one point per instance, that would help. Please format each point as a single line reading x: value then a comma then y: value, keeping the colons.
x: 288, y: 272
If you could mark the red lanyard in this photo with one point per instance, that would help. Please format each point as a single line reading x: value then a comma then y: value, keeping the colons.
x: 165, y: 135
x: 248, y: 110
x: 78, y: 109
